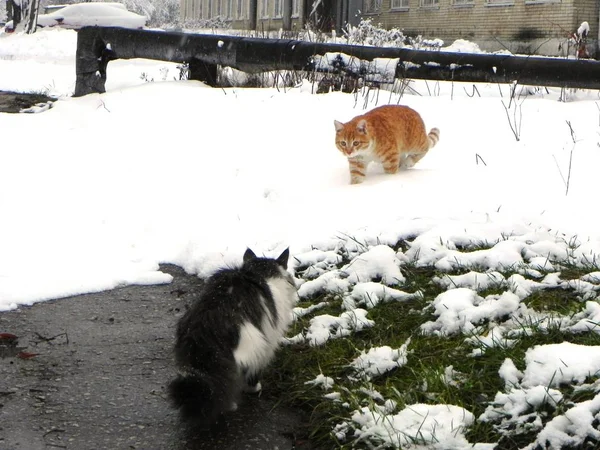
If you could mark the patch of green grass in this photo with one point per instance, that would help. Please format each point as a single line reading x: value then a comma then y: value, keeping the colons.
x: 421, y: 279
x: 573, y: 272
x: 559, y: 300
x: 475, y: 246
x: 430, y: 358
x: 492, y: 290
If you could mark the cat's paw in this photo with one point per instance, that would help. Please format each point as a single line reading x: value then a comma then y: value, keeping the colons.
x: 407, y: 163
x: 253, y: 389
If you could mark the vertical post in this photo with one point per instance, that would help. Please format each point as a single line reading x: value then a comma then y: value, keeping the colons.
x: 13, y: 11
x: 287, y: 15
x: 91, y: 62
x: 338, y: 20
x: 201, y: 71
x: 354, y: 8
x: 253, y: 11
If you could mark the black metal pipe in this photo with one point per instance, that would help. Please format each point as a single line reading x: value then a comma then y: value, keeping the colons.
x: 259, y: 55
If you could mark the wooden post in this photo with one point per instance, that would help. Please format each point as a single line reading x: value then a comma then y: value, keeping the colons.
x: 91, y: 61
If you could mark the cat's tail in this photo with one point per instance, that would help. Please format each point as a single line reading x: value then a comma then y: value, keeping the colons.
x: 433, y: 137
x: 202, y: 397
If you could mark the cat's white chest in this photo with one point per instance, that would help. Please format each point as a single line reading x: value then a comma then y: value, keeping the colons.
x: 367, y: 154
x: 257, y: 346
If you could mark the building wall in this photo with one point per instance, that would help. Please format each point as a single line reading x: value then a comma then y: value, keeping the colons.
x: 524, y: 26
x: 520, y: 26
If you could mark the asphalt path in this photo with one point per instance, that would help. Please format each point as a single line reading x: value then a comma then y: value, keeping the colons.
x: 89, y: 373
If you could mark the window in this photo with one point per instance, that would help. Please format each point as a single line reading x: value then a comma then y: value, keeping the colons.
x: 229, y: 11
x: 240, y: 9
x: 430, y: 3
x: 263, y: 6
x: 372, y: 6
x: 500, y: 2
x: 399, y: 4
x: 463, y: 2
x: 295, y: 8
x: 209, y: 10
x: 278, y: 8
x: 219, y: 8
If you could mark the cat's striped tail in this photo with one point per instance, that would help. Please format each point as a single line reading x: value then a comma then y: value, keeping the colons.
x: 433, y: 137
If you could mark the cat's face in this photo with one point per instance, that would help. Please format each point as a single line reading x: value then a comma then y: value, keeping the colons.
x: 352, y: 139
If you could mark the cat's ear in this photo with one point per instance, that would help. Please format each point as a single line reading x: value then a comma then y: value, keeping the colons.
x: 361, y: 127
x: 339, y: 126
x: 249, y: 256
x: 282, y: 260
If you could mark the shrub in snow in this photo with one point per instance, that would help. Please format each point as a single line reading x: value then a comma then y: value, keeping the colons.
x: 365, y: 33
x: 579, y: 39
x: 419, y: 43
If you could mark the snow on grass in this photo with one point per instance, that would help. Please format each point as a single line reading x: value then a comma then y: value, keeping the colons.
x: 564, y: 363
x: 371, y: 294
x: 519, y: 407
x: 325, y: 327
x: 379, y: 360
x: 529, y: 394
x: 570, y: 430
x: 322, y: 381
x: 473, y: 280
x: 417, y: 426
x: 461, y: 309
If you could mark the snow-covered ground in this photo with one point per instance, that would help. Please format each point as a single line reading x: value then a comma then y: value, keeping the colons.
x: 97, y: 191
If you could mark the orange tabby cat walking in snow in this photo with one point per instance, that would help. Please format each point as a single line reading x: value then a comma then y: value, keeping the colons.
x: 392, y: 135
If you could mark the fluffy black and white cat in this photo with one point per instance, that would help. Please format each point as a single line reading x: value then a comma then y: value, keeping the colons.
x: 229, y: 335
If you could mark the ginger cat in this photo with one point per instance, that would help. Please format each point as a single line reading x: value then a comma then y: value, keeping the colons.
x: 392, y: 135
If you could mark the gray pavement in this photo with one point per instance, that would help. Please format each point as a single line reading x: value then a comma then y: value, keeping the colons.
x: 97, y: 380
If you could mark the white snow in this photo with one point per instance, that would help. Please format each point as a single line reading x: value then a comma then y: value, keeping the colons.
x: 462, y: 309
x: 519, y: 407
x: 322, y: 381
x: 325, y: 327
x: 553, y: 365
x: 379, y: 360
x: 419, y: 426
x: 509, y: 373
x: 583, y: 29
x: 92, y: 14
x: 548, y: 366
x: 97, y: 191
x: 370, y: 294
